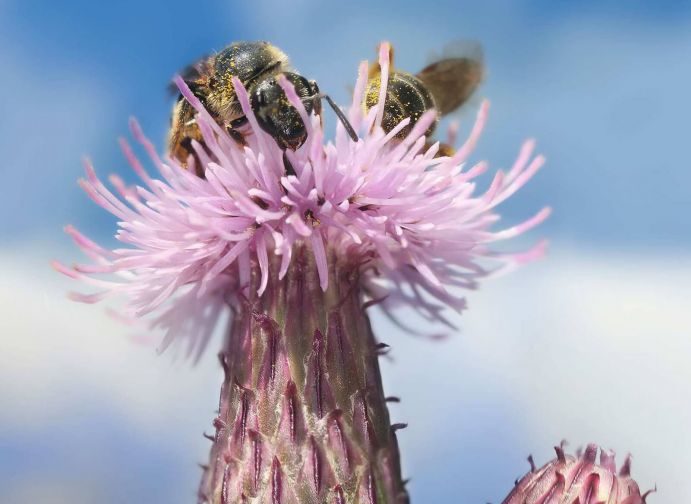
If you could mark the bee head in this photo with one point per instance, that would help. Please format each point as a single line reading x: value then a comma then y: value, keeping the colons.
x: 277, y: 116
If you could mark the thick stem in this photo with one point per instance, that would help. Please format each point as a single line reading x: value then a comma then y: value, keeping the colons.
x: 302, y: 414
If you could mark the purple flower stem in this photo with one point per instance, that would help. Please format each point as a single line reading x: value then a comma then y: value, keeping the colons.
x: 302, y: 414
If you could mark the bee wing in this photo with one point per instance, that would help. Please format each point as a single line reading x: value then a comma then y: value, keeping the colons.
x: 459, y: 48
x: 454, y: 76
x: 191, y: 73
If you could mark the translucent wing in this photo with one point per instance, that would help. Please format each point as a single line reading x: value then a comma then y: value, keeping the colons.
x: 454, y: 76
x: 191, y: 73
x: 460, y: 48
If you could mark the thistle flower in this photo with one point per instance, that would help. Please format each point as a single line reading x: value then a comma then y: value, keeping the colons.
x: 578, y: 480
x: 297, y: 258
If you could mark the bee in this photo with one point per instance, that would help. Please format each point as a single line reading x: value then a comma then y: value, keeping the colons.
x: 444, y: 85
x: 258, y: 66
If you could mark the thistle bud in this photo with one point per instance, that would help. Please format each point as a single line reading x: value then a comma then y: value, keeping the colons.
x: 578, y: 479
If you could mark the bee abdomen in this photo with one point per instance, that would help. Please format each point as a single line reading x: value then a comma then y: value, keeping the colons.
x: 406, y: 96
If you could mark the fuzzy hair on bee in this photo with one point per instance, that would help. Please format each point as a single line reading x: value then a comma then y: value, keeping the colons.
x: 259, y: 67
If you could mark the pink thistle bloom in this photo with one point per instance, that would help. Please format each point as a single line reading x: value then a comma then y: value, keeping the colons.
x: 578, y: 480
x: 298, y: 256
x: 413, y: 220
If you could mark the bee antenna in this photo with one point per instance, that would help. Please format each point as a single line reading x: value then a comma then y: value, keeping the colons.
x: 341, y: 116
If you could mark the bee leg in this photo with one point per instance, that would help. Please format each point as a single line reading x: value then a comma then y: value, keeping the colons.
x: 236, y: 135
x: 233, y: 130
x: 288, y: 165
x: 183, y: 153
x: 445, y: 150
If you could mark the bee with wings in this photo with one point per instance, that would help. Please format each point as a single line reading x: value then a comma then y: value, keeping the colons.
x: 443, y: 85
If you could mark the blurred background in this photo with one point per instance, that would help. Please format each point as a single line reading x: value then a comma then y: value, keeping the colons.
x: 591, y: 344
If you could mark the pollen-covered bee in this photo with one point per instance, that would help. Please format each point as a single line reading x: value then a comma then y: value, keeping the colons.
x: 257, y: 65
x: 444, y: 85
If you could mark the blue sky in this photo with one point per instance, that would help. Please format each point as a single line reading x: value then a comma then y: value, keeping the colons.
x: 602, y: 85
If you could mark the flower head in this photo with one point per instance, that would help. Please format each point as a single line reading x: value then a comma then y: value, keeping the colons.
x: 578, y: 480
x: 412, y: 220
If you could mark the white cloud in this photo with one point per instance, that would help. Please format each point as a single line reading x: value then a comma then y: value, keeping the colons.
x: 586, y: 346
x: 55, y: 352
